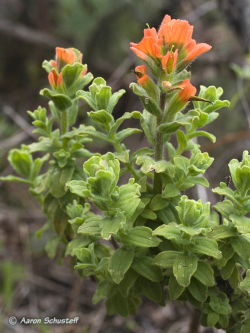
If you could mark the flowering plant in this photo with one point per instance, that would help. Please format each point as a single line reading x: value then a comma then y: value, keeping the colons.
x: 159, y: 243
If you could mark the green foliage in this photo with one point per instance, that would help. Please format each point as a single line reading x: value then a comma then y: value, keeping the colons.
x: 155, y: 237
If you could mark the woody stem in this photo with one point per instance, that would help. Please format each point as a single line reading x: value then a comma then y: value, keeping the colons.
x: 157, y: 187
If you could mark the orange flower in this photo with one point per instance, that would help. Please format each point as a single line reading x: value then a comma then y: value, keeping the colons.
x: 63, y: 57
x: 169, y: 61
x: 187, y: 91
x: 179, y: 101
x: 55, y: 80
x: 66, y: 57
x: 173, y: 40
x: 149, y: 45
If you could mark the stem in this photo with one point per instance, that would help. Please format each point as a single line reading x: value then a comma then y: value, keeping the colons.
x: 195, y: 321
x: 64, y: 127
x: 64, y: 122
x: 157, y: 188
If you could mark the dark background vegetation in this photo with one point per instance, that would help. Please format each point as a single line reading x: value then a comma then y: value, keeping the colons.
x: 32, y: 285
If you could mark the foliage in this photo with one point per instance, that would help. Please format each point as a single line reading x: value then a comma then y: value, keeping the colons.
x: 155, y: 236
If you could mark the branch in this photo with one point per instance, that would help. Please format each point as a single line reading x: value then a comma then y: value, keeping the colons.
x: 200, y: 11
x: 19, y: 121
x: 29, y: 35
x: 226, y: 139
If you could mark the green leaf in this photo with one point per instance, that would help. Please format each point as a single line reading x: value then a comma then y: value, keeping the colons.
x: 40, y: 231
x: 75, y: 244
x: 21, y: 161
x: 86, y: 96
x: 223, y: 190
x: 184, y: 267
x: 78, y: 187
x: 191, y: 181
x: 206, y: 246
x: 149, y: 104
x: 212, y: 318
x: 141, y: 152
x: 145, y: 267
x: 119, y: 121
x: 60, y: 221
x: 181, y: 163
x: 168, y: 214
x: 114, y: 99
x: 57, y: 179
x: 141, y: 236
x: 45, y: 144
x: 221, y: 232
x: 228, y: 269
x: 62, y: 102
x: 170, y: 191
x: 127, y: 132
x: 123, y: 156
x: 84, y: 255
x: 92, y: 226
x: 120, y: 262
x: 102, y: 291
x: 148, y: 214
x: 173, y: 126
x: 241, y: 246
x: 51, y: 246
x: 120, y: 304
x: 101, y: 116
x: 96, y: 134
x: 16, y: 179
x: 128, y: 281
x: 198, y: 290
x: 241, y: 223
x: 152, y: 290
x: 112, y: 225
x: 148, y: 124
x: 174, y: 288
x: 245, y: 284
x: 171, y: 232
x: 166, y: 258
x: 158, y: 203
x: 102, y: 97
x: 205, y: 274
x: 50, y: 205
x: 193, y: 213
x: 182, y: 140
x: 73, y: 78
x: 202, y: 133
x: 128, y: 199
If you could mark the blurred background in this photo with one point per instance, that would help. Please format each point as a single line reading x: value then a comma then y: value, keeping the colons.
x: 32, y: 285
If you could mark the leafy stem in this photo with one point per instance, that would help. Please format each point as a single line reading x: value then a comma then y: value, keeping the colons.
x: 64, y: 127
x: 157, y: 188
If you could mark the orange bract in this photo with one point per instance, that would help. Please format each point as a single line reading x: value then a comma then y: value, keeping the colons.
x: 65, y: 57
x: 141, y: 72
x: 149, y: 45
x: 54, y: 79
x: 187, y: 91
x: 169, y: 61
x: 173, y: 35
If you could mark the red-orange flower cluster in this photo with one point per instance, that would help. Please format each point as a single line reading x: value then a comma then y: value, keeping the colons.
x: 172, y: 45
x: 63, y: 57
